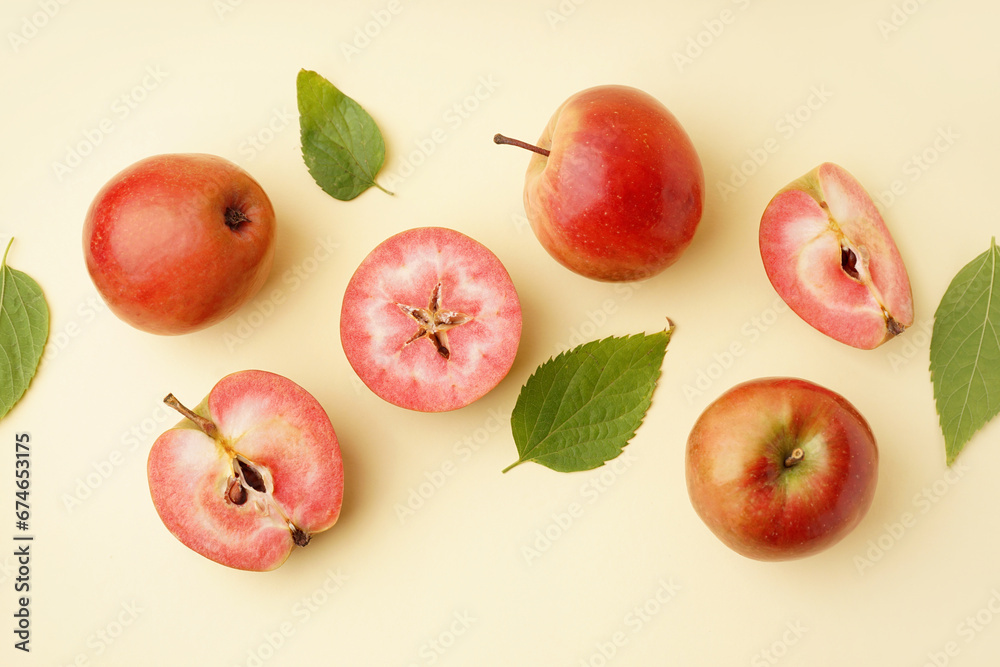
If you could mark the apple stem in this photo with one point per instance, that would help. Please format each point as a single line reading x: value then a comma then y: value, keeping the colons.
x: 795, y: 458
x: 500, y: 139
x: 207, y: 426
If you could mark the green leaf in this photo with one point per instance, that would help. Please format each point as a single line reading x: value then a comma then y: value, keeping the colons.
x: 965, y: 351
x: 581, y: 408
x: 24, y: 328
x: 341, y: 144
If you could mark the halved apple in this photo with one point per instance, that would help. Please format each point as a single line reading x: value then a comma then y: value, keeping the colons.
x: 251, y: 472
x: 829, y: 255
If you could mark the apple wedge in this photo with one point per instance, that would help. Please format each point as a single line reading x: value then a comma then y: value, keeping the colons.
x: 251, y: 472
x: 829, y: 255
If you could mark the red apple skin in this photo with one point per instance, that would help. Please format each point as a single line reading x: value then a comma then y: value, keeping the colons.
x: 284, y: 431
x: 740, y: 487
x: 621, y: 193
x: 804, y: 233
x: 376, y: 333
x: 158, y: 247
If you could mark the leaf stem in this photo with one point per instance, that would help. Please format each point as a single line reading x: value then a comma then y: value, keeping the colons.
x: 391, y: 194
x: 3, y: 262
x: 513, y: 465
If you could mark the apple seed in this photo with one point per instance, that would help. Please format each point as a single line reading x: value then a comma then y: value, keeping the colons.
x: 849, y: 262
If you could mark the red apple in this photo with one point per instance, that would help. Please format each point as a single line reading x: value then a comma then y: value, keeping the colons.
x: 830, y: 256
x: 252, y: 471
x: 431, y: 320
x: 781, y: 468
x: 615, y: 189
x: 175, y: 243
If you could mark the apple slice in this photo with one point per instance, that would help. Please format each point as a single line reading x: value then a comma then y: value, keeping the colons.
x: 829, y: 255
x: 252, y: 471
x: 431, y: 320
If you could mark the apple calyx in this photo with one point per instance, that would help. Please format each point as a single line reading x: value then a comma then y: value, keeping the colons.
x: 502, y: 140
x: 249, y: 481
x: 235, y: 218
x: 434, y: 322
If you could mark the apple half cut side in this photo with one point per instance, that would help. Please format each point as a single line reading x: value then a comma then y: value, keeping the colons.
x: 252, y: 471
x: 830, y: 257
x: 431, y: 320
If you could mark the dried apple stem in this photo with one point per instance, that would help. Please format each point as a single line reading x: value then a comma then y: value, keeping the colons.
x: 795, y: 458
x: 207, y: 426
x: 500, y: 139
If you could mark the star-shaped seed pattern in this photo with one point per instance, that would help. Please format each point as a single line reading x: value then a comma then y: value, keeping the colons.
x: 434, y: 322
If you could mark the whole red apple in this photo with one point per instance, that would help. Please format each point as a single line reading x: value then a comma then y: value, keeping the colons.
x: 177, y: 242
x: 615, y: 189
x: 251, y: 472
x: 781, y: 468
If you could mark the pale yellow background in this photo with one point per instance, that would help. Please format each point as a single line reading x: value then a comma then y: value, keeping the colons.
x: 458, y: 572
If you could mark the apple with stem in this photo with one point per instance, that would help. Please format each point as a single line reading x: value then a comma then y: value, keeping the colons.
x: 781, y: 468
x: 430, y: 320
x: 177, y: 242
x: 248, y: 474
x: 829, y: 255
x: 614, y: 189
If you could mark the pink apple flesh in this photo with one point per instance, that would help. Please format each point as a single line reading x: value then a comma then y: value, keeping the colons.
x: 781, y: 468
x: 265, y: 476
x: 431, y: 320
x: 175, y: 243
x: 829, y: 255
